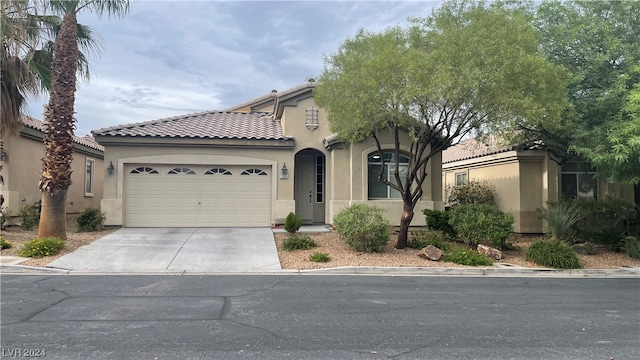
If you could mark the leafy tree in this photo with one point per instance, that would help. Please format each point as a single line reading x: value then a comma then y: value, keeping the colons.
x: 59, y: 120
x: 598, y: 42
x: 468, y: 68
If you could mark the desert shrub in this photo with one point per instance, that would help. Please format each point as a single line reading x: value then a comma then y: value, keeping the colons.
x: 632, y: 246
x: 363, y: 228
x: 292, y: 223
x: 439, y: 220
x: 4, y: 217
x: 553, y: 253
x: 482, y: 224
x: 38, y: 248
x: 471, y: 192
x: 319, y: 257
x: 298, y: 242
x: 4, y: 244
x: 90, y: 220
x: 465, y: 256
x: 606, y: 221
x: 422, y: 239
x: 29, y: 216
x: 560, y: 217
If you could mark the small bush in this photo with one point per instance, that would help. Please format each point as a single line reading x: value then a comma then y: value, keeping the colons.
x: 632, y: 246
x: 363, y: 228
x: 4, y: 217
x: 422, y: 239
x: 471, y: 192
x: 606, y: 221
x: 90, y: 220
x: 465, y: 256
x: 560, y: 218
x: 439, y: 220
x: 298, y: 242
x: 29, y: 216
x: 38, y: 248
x: 553, y: 253
x: 292, y: 223
x: 319, y: 257
x: 482, y: 224
x: 4, y: 244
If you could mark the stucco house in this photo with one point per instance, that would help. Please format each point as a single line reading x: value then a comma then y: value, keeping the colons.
x: 21, y: 157
x: 249, y: 165
x: 525, y: 180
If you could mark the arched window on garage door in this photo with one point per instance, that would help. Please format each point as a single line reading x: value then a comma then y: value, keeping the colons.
x: 181, y: 170
x: 253, y: 172
x: 218, y: 171
x: 144, y: 170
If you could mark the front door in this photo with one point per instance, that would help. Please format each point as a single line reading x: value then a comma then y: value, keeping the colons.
x: 304, y: 183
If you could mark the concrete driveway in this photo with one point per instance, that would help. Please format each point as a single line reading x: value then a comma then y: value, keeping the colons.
x: 176, y: 250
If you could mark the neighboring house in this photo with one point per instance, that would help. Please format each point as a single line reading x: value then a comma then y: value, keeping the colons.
x: 525, y: 180
x: 249, y: 165
x: 21, y: 158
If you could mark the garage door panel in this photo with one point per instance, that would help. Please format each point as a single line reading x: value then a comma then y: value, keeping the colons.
x: 183, y: 200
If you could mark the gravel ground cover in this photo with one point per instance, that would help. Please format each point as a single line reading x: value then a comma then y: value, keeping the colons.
x: 339, y: 253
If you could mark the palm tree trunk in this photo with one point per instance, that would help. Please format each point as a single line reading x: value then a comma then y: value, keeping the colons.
x: 59, y: 126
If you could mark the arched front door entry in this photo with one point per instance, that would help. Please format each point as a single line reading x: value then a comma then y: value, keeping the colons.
x: 309, y: 186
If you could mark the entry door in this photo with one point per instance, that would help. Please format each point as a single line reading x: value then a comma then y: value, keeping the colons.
x: 304, y: 182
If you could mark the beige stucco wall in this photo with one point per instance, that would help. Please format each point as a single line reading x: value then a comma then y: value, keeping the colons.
x: 22, y: 169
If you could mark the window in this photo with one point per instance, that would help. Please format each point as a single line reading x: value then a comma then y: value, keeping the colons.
x: 218, y: 171
x: 461, y: 178
x: 578, y: 181
x: 319, y: 178
x: 253, y: 172
x: 378, y: 190
x: 144, y: 170
x: 181, y: 170
x: 312, y: 118
x: 88, y: 177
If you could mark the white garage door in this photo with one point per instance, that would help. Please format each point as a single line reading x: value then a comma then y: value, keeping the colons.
x: 190, y: 196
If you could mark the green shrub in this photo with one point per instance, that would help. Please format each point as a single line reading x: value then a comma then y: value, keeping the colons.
x: 422, y: 239
x: 471, y: 192
x: 4, y: 244
x: 29, y: 216
x: 606, y: 221
x: 465, y: 256
x: 4, y: 217
x: 553, y: 253
x: 363, y: 228
x: 439, y: 220
x: 292, y: 223
x: 319, y: 257
x: 482, y: 224
x: 298, y: 242
x: 561, y: 217
x: 90, y: 220
x: 38, y: 248
x: 632, y: 246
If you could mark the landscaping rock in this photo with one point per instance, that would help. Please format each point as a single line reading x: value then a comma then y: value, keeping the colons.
x: 584, y: 249
x: 490, y: 252
x: 431, y: 253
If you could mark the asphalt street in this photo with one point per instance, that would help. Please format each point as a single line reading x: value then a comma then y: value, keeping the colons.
x: 318, y: 317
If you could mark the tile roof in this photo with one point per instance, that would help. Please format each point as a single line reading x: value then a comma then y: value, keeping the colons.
x: 86, y: 140
x: 473, y: 148
x: 204, y: 125
x: 274, y: 95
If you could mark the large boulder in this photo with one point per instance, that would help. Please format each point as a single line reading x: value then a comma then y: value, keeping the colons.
x: 431, y: 253
x: 490, y: 252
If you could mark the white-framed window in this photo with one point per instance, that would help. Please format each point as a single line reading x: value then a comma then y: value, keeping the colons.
x: 90, y: 165
x: 320, y: 178
x: 378, y: 190
x: 312, y: 118
x: 578, y: 181
x: 461, y: 178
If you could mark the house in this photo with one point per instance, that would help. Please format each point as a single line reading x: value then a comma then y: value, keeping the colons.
x: 525, y: 180
x: 248, y: 165
x: 21, y: 158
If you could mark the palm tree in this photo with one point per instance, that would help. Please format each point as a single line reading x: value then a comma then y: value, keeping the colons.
x: 58, y: 115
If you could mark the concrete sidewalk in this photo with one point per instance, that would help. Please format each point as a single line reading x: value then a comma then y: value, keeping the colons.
x: 175, y: 250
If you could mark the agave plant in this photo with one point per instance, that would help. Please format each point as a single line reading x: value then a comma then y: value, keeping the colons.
x: 560, y: 217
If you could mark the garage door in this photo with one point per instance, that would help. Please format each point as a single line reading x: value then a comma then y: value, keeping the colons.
x: 190, y: 196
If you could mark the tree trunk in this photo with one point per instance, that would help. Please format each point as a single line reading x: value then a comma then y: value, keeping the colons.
x: 59, y: 125
x: 405, y: 220
x: 53, y: 209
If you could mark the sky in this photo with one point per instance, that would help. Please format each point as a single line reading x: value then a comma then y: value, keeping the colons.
x: 168, y: 58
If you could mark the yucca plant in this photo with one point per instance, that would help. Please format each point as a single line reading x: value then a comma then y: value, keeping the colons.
x: 560, y: 217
